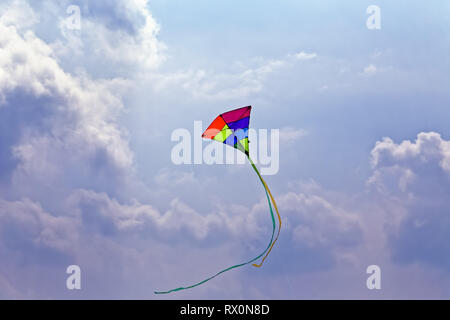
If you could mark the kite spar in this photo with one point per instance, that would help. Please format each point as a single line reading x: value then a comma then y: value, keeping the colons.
x: 231, y: 128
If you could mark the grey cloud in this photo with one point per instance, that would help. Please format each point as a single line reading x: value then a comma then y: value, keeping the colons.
x: 30, y: 235
x: 119, y: 33
x: 56, y: 125
x: 415, y: 176
x: 315, y: 231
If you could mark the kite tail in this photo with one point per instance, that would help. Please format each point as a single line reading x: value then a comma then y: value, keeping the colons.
x: 276, y: 209
x: 269, y: 247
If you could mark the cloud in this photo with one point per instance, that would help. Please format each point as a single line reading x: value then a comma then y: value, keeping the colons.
x: 123, y: 241
x: 18, y: 13
x: 317, y: 222
x: 109, y: 216
x: 242, y: 81
x: 52, y: 114
x: 60, y: 132
x: 370, y: 69
x: 302, y: 55
x: 27, y: 227
x: 414, y: 175
x: 122, y: 33
x: 290, y: 134
x: 66, y: 166
x: 210, y: 85
x: 64, y: 137
x: 428, y: 149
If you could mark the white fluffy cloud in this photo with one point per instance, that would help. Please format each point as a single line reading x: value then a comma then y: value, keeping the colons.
x: 428, y: 148
x: 426, y: 158
x: 290, y: 135
x: 243, y: 80
x: 302, y: 55
x: 63, y: 135
x: 415, y: 181
x: 207, y: 85
x: 370, y: 69
x: 76, y: 116
x: 77, y: 127
x: 17, y: 13
x: 28, y: 223
x: 137, y: 217
x: 126, y: 36
x: 316, y: 222
x: 95, y: 230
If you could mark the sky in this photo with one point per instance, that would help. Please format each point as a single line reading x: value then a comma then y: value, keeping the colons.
x: 87, y: 179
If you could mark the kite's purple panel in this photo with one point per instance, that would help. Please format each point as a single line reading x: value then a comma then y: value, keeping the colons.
x: 240, y: 124
x: 235, y: 115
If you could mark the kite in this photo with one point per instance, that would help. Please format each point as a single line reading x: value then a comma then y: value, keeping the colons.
x: 231, y: 128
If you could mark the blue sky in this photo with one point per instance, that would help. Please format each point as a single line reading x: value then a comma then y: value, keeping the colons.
x: 86, y: 175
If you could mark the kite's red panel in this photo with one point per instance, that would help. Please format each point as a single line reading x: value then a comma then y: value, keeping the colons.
x: 214, y: 128
x: 235, y: 115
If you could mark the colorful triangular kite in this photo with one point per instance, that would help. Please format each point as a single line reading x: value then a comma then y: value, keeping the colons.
x: 231, y: 128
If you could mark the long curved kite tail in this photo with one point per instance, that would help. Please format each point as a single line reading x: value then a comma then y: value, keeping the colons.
x: 279, y: 227
x: 166, y: 292
x: 235, y: 266
x: 276, y: 209
x: 266, y: 251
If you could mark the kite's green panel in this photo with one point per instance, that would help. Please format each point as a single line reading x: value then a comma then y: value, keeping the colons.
x: 223, y: 134
x: 244, y: 143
